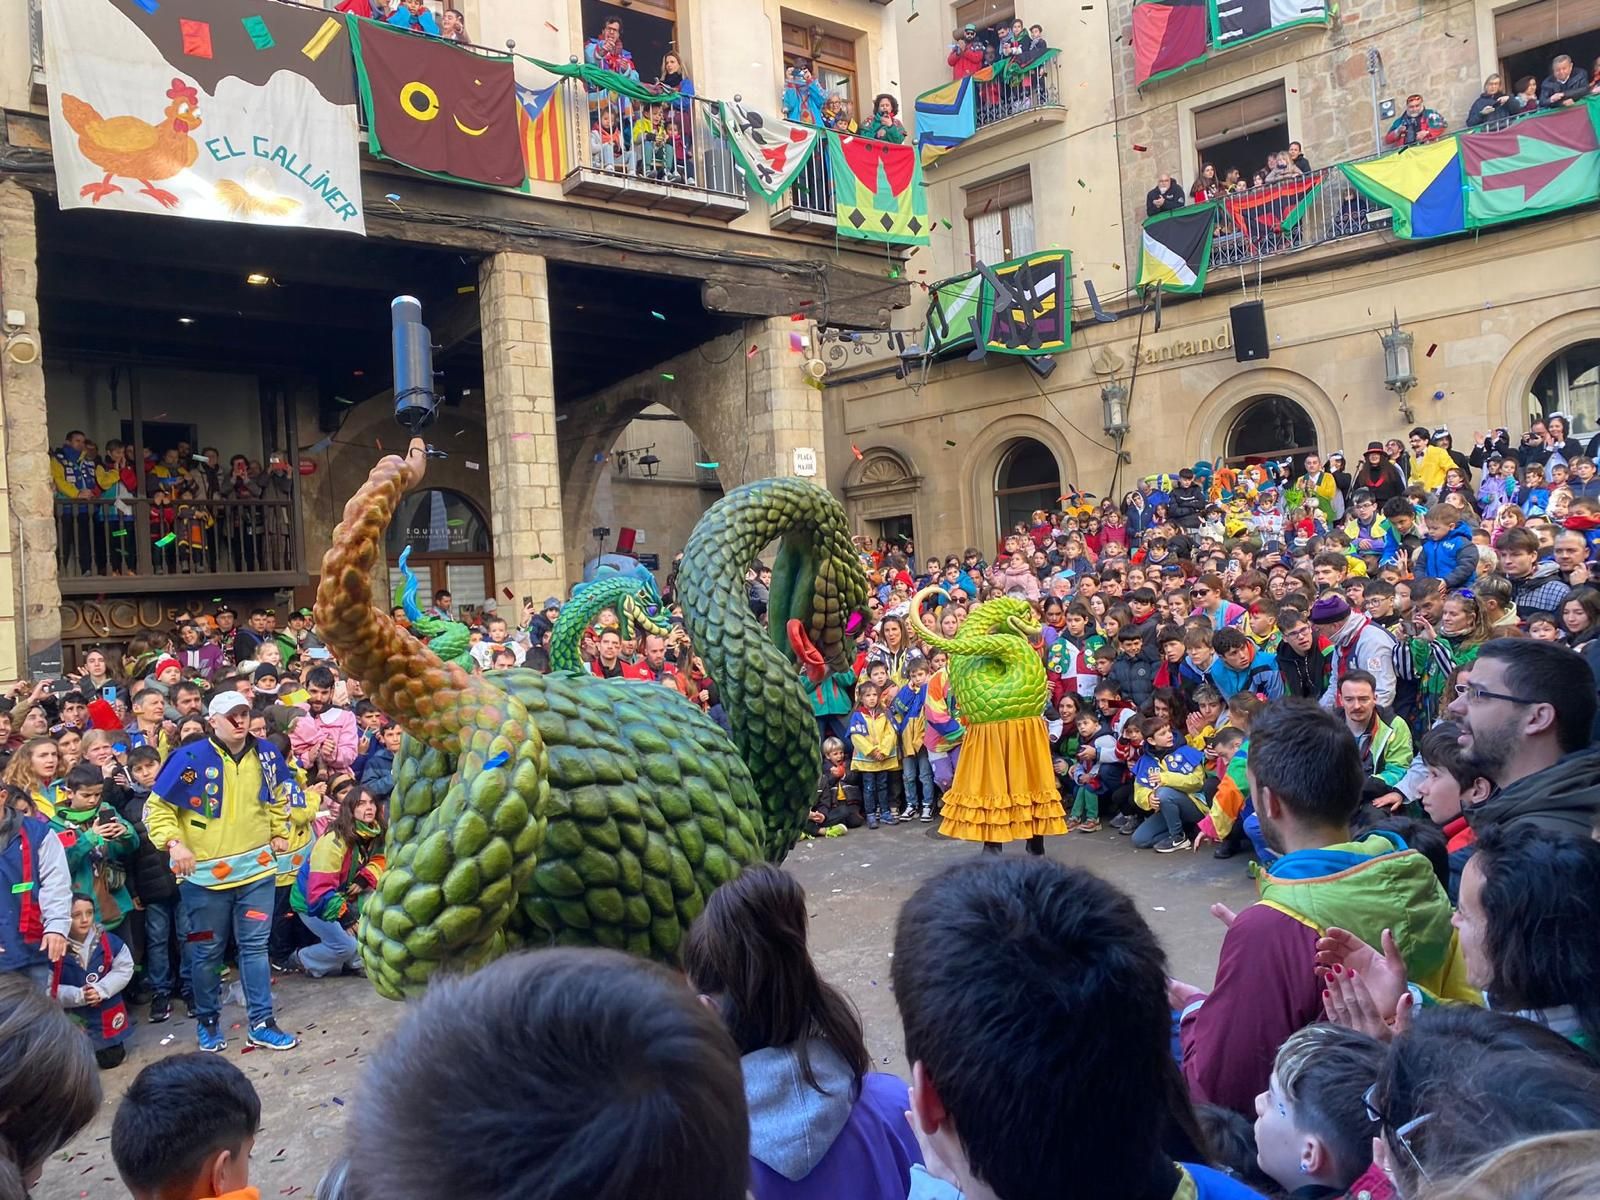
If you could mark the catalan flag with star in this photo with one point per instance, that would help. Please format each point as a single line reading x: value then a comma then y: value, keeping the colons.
x: 1177, y: 248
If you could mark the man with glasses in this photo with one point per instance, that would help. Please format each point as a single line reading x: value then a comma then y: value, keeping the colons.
x: 220, y: 808
x: 1526, y: 718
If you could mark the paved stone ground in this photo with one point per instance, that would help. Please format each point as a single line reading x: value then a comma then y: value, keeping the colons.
x: 856, y: 886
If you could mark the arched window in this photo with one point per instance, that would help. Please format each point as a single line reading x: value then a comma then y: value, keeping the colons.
x: 1027, y: 478
x: 1271, y: 427
x: 450, y: 547
x: 1570, y: 383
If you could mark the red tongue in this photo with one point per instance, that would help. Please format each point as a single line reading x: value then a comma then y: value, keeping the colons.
x: 811, y: 660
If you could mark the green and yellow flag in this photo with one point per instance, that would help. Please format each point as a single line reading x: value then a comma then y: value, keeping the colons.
x: 877, y: 190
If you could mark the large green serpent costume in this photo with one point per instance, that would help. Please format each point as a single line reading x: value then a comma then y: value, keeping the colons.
x: 634, y: 597
x: 994, y: 671
x: 554, y: 809
x: 1004, y: 788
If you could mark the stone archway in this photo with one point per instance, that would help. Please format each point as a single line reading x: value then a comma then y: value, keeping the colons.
x: 1513, y: 379
x: 981, y: 467
x: 1218, y: 413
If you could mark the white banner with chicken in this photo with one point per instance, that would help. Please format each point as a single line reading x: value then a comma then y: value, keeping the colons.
x: 220, y: 110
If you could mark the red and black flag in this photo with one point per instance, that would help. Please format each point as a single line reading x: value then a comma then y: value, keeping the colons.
x: 1264, y: 212
x: 1168, y: 35
x: 438, y: 107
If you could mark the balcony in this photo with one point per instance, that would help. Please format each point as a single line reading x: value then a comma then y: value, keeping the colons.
x: 1269, y: 222
x: 808, y: 205
x: 138, y: 545
x: 682, y: 166
x: 1034, y: 90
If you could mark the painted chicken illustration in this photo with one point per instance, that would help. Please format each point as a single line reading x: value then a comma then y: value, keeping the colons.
x: 136, y: 149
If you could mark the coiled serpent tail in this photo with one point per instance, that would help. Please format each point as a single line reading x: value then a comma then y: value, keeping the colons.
x: 630, y: 594
x: 817, y: 579
x: 455, y: 867
x: 994, y: 670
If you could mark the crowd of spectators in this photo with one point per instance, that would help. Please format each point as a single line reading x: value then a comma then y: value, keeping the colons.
x: 97, y: 521
x: 1374, y: 680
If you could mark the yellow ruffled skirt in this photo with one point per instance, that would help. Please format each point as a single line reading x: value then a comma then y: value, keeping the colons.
x: 1004, y: 789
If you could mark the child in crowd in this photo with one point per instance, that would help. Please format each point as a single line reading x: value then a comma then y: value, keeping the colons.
x: 1543, y: 627
x: 1097, y: 772
x: 906, y: 715
x: 35, y: 890
x: 184, y: 1130
x: 605, y: 140
x: 100, y: 845
x: 377, y: 774
x: 874, y: 743
x: 1167, y: 780
x: 165, y: 921
x: 838, y: 803
x: 1450, y: 789
x: 88, y: 980
x: 1313, y: 1132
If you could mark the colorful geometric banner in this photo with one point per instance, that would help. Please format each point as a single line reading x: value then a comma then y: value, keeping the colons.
x: 1176, y: 248
x: 770, y: 150
x: 1039, y: 318
x: 437, y: 107
x: 1420, y: 184
x: 543, y: 126
x: 1532, y: 167
x: 1235, y: 22
x: 877, y: 190
x: 218, y: 110
x: 1168, y: 35
x: 955, y: 313
x: 1264, y: 211
x: 946, y: 116
x: 1031, y: 317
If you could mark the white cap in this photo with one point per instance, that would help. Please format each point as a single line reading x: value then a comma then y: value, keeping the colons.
x: 225, y: 702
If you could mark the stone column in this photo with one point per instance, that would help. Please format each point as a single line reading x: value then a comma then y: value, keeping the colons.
x: 785, y: 411
x: 30, y: 598
x: 520, y: 408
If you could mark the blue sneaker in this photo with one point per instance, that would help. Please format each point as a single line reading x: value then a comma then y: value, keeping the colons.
x: 872, y: 820
x: 888, y: 818
x: 209, y: 1035
x: 268, y: 1036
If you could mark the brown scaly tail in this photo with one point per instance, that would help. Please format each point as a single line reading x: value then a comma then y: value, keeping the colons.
x: 457, y: 862
x: 430, y: 698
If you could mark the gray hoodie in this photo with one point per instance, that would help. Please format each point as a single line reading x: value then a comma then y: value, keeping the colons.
x: 1563, y: 798
x: 792, y: 1124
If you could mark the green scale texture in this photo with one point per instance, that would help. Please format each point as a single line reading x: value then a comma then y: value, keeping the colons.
x: 995, y: 672
x: 627, y: 594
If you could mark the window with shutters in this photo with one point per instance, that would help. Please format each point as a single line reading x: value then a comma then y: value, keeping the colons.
x: 1239, y: 133
x: 1000, y: 218
x: 1529, y: 37
x: 829, y: 54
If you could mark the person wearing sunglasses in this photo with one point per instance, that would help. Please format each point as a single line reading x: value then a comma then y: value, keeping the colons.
x: 1212, y: 603
x: 1526, y: 717
x: 220, y: 808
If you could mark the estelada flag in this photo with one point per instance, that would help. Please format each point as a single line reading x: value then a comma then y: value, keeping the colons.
x: 544, y: 132
x: 1177, y: 248
x: 438, y: 107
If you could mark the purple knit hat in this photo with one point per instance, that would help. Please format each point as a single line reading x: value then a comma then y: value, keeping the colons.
x: 1329, y: 609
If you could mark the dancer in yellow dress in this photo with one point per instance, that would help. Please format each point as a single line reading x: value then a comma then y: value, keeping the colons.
x: 1004, y: 789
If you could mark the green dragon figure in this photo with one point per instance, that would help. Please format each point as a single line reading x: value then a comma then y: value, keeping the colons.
x: 450, y: 640
x: 535, y: 809
x: 1004, y: 788
x: 632, y: 594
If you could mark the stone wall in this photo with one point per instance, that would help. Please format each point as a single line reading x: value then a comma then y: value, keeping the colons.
x: 30, y: 602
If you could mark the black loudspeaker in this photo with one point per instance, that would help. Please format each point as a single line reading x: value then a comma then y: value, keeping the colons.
x: 1249, y: 321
